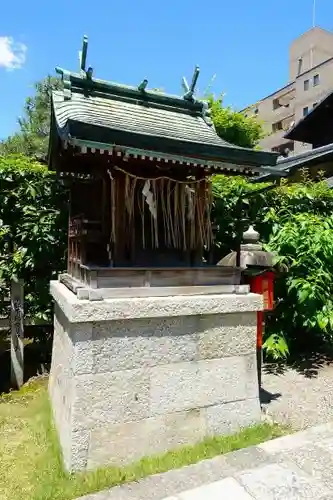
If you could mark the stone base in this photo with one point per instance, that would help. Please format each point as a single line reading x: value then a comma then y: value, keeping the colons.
x: 136, y: 377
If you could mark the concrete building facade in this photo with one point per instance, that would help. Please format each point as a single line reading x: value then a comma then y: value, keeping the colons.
x: 310, y: 80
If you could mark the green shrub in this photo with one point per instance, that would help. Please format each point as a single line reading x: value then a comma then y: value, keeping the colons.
x: 305, y: 244
x: 33, y: 214
x: 296, y: 222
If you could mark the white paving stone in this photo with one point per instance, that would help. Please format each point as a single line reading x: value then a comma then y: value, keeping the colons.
x: 286, y: 443
x: 289, y: 468
x: 282, y: 482
x: 227, y: 489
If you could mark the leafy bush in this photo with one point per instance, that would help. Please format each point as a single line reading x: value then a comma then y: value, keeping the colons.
x: 304, y: 243
x: 236, y: 202
x: 295, y: 222
x: 33, y: 214
x: 234, y: 126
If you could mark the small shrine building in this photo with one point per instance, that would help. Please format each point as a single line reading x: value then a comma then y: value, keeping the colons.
x: 153, y: 347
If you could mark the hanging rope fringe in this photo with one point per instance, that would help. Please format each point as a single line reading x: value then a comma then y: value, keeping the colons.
x: 174, y: 214
x: 158, y: 178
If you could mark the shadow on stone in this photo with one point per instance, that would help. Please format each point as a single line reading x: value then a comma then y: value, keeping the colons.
x: 275, y: 368
x: 267, y: 397
x: 306, y: 362
x: 309, y: 364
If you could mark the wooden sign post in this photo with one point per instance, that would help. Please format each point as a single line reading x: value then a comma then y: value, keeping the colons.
x: 17, y: 333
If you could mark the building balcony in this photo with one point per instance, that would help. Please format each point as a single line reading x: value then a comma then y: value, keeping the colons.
x: 285, y: 99
x: 273, y: 140
x: 283, y: 112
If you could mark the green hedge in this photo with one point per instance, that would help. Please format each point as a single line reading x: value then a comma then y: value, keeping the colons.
x: 33, y: 235
x: 295, y: 221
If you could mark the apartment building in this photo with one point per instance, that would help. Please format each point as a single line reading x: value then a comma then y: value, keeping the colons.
x: 310, y: 80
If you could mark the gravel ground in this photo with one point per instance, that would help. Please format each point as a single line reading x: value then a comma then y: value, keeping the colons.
x: 300, y: 395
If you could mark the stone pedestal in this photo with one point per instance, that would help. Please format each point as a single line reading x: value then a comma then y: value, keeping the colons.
x: 132, y: 377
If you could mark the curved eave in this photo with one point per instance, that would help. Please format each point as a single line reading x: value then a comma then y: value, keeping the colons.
x: 288, y: 166
x: 110, y: 121
x: 107, y: 138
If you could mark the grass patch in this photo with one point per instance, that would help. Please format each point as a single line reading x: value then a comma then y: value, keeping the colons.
x: 30, y: 457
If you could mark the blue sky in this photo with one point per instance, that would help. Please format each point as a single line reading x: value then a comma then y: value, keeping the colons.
x: 245, y: 43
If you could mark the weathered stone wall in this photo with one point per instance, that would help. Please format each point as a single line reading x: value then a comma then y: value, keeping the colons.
x: 125, y: 388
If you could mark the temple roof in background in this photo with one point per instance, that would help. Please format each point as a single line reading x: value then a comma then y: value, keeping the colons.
x: 316, y: 126
x: 286, y: 167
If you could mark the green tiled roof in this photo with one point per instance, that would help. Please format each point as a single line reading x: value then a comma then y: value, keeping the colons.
x: 135, y: 117
x: 94, y: 112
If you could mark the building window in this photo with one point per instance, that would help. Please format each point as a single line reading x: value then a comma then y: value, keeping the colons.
x: 284, y: 149
x: 316, y: 80
x: 277, y: 126
x: 276, y: 104
x: 305, y: 111
x: 256, y: 111
x: 306, y: 84
x: 314, y: 104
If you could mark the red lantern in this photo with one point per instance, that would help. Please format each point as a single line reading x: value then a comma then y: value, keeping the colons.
x: 262, y: 284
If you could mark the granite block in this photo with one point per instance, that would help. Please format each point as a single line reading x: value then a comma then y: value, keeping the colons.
x: 132, y: 377
x: 229, y: 417
x: 123, y: 345
x: 227, y: 335
x: 86, y: 311
x: 123, y: 443
x: 106, y: 398
x: 181, y: 386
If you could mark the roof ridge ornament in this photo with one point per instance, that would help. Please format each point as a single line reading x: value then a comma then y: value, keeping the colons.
x: 66, y: 79
x: 207, y: 115
x: 87, y: 73
x: 83, y: 54
x: 190, y: 89
x: 143, y: 85
x: 66, y: 75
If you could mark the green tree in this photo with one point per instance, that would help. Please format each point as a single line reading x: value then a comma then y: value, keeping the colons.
x: 234, y: 126
x: 33, y: 221
x: 14, y: 144
x: 32, y: 137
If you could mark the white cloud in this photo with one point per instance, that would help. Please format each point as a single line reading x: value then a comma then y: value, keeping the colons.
x: 12, y: 54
